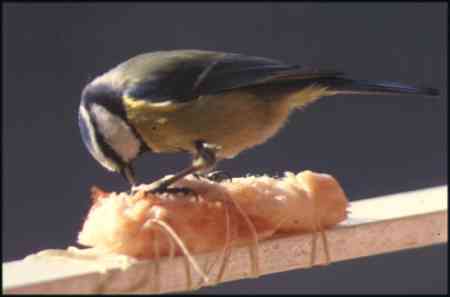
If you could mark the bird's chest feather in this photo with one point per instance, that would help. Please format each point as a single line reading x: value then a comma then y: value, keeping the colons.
x: 234, y: 120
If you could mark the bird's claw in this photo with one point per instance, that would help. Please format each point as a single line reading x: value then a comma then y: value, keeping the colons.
x: 197, y: 176
x: 215, y: 176
x: 161, y: 190
x: 219, y: 176
x: 141, y: 188
x: 185, y: 191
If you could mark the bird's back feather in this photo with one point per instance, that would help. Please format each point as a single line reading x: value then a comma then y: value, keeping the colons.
x: 185, y: 75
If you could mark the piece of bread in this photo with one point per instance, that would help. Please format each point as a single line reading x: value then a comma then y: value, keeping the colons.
x: 236, y: 213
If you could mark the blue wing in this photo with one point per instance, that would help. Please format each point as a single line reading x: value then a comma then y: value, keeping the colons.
x: 185, y: 75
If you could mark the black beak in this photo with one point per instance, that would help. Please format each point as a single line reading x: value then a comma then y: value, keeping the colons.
x: 128, y: 173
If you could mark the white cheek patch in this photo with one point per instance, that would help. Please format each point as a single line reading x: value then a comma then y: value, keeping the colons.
x: 93, y: 147
x: 116, y: 133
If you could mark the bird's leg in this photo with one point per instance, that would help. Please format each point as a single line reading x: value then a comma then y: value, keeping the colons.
x: 217, y: 176
x: 205, y: 158
x: 202, y: 173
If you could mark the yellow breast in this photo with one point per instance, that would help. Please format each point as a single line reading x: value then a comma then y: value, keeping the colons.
x: 234, y: 120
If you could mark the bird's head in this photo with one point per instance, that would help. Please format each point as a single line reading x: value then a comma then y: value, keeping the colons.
x: 105, y: 130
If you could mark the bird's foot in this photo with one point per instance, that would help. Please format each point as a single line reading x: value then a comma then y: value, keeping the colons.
x: 215, y: 176
x: 219, y: 176
x: 161, y: 189
x: 185, y: 191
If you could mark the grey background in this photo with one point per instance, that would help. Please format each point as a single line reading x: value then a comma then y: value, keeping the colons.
x: 373, y: 145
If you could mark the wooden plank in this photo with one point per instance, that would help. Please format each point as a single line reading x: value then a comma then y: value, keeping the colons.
x: 375, y: 226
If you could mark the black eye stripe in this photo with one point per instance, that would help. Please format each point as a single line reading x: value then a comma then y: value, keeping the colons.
x: 105, y: 96
x: 106, y: 149
x: 110, y: 99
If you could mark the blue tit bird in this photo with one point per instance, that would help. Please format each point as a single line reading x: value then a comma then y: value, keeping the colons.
x: 212, y: 105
